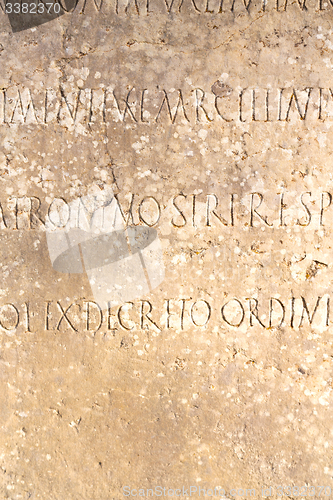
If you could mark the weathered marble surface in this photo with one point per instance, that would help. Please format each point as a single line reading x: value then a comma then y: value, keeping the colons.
x: 215, y: 130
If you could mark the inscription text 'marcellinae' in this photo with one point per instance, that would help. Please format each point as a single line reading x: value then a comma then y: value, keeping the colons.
x: 153, y: 106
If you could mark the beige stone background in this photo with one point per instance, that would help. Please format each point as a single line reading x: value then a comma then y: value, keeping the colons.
x: 85, y: 413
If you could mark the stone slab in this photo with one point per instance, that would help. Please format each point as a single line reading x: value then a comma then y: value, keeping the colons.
x: 166, y: 248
